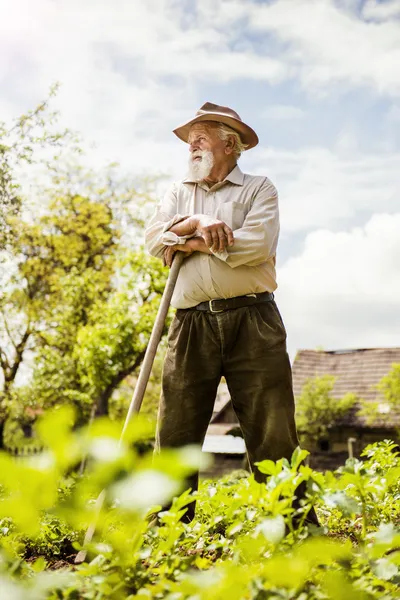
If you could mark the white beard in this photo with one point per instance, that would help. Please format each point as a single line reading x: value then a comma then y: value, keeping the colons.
x: 200, y: 169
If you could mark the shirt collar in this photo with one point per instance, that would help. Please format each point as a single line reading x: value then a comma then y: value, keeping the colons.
x: 236, y: 176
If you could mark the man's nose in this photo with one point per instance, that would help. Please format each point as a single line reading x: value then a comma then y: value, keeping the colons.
x: 193, y: 146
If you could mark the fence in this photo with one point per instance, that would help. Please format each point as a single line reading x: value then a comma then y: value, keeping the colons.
x: 24, y: 451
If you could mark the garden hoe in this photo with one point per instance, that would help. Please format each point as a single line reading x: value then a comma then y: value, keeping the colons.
x: 141, y: 384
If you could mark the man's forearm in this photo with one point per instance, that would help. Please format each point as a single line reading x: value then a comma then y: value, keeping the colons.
x: 185, y: 227
x: 215, y: 233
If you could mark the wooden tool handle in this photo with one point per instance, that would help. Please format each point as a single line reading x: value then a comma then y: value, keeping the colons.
x: 142, y: 381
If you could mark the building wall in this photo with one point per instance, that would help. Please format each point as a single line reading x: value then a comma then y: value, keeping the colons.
x: 227, y: 416
x: 337, y: 451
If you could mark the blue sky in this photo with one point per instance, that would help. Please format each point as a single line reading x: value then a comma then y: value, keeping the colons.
x: 319, y: 80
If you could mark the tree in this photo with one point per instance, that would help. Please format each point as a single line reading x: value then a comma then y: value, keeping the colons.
x: 79, y: 296
x: 89, y: 305
x: 389, y: 386
x: 20, y: 146
x: 317, y: 410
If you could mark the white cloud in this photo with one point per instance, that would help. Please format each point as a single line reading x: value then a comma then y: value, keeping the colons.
x: 129, y: 70
x: 132, y: 70
x: 343, y: 290
x: 319, y: 187
x: 381, y: 11
x: 326, y: 44
x: 347, y: 144
x: 394, y: 113
x: 114, y: 56
x: 283, y: 112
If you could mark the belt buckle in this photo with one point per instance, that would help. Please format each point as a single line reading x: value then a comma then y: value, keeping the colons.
x: 211, y: 307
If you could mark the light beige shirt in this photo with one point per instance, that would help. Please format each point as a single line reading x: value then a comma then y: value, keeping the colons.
x: 249, y: 205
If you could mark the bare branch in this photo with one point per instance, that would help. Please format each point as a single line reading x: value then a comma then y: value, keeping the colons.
x: 19, y: 351
x: 8, y: 329
x: 5, y: 365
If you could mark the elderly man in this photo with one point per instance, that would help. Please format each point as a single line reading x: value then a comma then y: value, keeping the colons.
x: 227, y: 322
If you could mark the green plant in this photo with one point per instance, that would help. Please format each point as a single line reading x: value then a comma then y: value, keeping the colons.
x: 317, y: 410
x: 242, y: 544
x: 389, y: 388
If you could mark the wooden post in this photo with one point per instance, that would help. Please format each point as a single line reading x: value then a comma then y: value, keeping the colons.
x: 350, y: 442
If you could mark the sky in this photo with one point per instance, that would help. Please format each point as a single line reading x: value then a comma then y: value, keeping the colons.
x: 319, y: 80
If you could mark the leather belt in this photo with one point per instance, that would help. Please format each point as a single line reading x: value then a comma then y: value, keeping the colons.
x: 222, y: 304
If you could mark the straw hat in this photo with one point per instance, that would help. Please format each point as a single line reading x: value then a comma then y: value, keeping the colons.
x: 221, y: 114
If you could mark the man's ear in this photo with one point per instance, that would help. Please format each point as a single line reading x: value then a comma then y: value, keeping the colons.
x: 229, y: 144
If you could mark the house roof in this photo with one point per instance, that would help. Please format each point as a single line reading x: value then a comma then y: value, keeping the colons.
x: 357, y: 371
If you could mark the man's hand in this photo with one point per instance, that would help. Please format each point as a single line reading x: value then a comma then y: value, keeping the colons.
x: 195, y: 244
x: 170, y: 251
x: 216, y: 234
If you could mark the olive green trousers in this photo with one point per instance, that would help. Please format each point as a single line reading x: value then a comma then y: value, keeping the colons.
x: 246, y: 345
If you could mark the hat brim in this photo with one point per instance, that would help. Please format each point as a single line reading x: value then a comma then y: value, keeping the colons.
x: 247, y: 134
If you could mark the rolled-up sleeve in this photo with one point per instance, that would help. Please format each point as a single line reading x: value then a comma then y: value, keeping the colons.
x: 256, y: 241
x: 157, y: 234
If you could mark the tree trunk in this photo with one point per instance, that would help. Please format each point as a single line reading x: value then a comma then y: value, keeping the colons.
x: 100, y: 407
x: 2, y: 424
x: 104, y: 398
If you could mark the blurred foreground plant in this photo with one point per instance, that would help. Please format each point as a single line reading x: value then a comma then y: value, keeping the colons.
x: 240, y: 546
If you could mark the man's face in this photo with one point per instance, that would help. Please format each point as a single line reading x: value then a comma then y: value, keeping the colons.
x: 205, y: 138
x: 207, y: 150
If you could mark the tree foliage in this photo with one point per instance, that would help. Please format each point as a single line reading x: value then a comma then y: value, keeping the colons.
x: 389, y: 387
x: 20, y: 146
x: 317, y: 410
x: 78, y: 296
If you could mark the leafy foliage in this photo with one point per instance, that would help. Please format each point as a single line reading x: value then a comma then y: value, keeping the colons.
x: 317, y: 410
x: 88, y: 334
x: 20, y: 147
x: 389, y: 386
x: 241, y: 545
x: 78, y: 296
